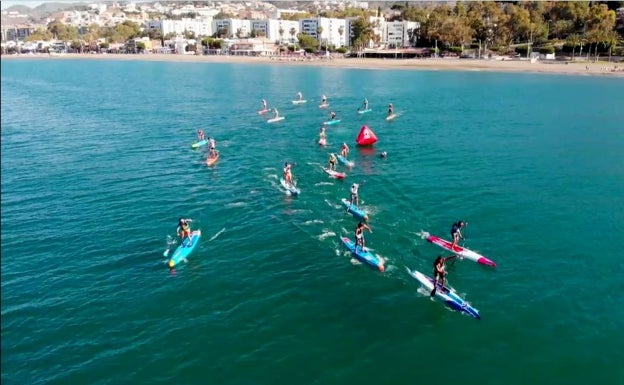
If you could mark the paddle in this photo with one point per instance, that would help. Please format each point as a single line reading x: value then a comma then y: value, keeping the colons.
x: 170, y: 242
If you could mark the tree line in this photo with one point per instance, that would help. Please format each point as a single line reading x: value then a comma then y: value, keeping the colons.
x: 497, y: 26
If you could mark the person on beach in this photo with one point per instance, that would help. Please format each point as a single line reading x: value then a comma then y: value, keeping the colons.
x: 365, y: 104
x: 344, y: 151
x: 359, y: 235
x: 299, y: 96
x: 200, y: 135
x: 288, y: 173
x: 456, y: 233
x: 439, y: 272
x: 264, y: 105
x: 354, y: 195
x: 184, y: 230
x: 332, y: 115
x: 390, y: 109
x: 332, y: 161
x: 276, y: 112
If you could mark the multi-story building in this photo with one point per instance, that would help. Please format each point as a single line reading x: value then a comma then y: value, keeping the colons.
x: 400, y: 33
x: 332, y: 31
x: 200, y: 27
x: 16, y: 32
x: 271, y: 28
x: 232, y: 27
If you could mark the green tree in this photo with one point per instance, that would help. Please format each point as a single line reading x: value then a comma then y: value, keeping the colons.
x: 362, y: 32
x: 341, y: 32
x: 140, y: 46
x: 574, y: 40
x: 40, y: 34
x: 611, y: 39
x: 319, y: 35
x: 62, y: 32
x: 292, y: 32
x: 281, y: 33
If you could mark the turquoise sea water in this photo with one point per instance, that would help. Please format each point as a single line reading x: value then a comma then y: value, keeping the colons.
x: 97, y: 168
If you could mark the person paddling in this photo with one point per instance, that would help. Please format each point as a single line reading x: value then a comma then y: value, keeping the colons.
x: 184, y: 230
x: 359, y: 235
x: 212, y: 147
x: 354, y: 195
x: 439, y: 272
x: 332, y: 161
x: 456, y: 233
x: 200, y: 135
x: 390, y: 109
x: 264, y: 105
x: 332, y: 115
x: 322, y: 134
x: 323, y: 100
x: 344, y: 151
x: 276, y: 112
x: 299, y: 96
x: 365, y: 104
x: 288, y: 173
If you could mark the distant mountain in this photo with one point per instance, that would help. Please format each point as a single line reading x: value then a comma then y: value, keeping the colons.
x: 21, y: 9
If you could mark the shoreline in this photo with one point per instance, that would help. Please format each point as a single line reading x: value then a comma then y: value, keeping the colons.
x: 426, y: 64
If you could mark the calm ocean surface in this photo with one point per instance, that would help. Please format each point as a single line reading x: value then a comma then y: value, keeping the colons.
x: 97, y: 168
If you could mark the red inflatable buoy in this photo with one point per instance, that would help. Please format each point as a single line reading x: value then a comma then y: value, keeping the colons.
x: 366, y: 137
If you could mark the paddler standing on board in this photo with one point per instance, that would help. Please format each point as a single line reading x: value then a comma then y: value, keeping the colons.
x: 322, y: 134
x: 456, y: 233
x: 184, y: 229
x: 212, y: 148
x: 365, y: 104
x: 299, y: 96
x: 332, y: 161
x: 264, y: 105
x: 332, y: 115
x: 390, y: 109
x: 288, y: 173
x: 344, y: 151
x: 359, y: 235
x: 354, y: 195
x: 276, y: 112
x: 200, y: 135
x: 323, y: 100
x: 439, y: 272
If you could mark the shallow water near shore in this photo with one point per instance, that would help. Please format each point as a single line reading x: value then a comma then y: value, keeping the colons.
x: 97, y: 167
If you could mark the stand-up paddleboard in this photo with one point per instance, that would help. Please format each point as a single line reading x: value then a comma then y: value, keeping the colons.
x: 446, y: 295
x: 364, y: 111
x: 322, y: 142
x: 299, y: 101
x: 364, y: 255
x: 323, y: 105
x: 391, y: 117
x: 185, y: 249
x: 355, y: 210
x: 334, y: 174
x: 293, y: 190
x: 264, y: 111
x: 344, y: 161
x: 199, y: 143
x: 278, y: 119
x: 213, y: 160
x: 332, y: 122
x: 460, y: 251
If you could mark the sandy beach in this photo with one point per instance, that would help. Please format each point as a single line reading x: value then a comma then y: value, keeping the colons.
x: 440, y: 64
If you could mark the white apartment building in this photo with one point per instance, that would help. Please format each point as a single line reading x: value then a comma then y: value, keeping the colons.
x: 399, y: 33
x: 233, y: 27
x: 271, y: 29
x: 334, y: 31
x: 201, y: 27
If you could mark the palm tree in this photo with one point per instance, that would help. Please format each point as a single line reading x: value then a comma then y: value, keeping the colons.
x: 319, y: 32
x: 574, y: 40
x: 611, y: 39
x: 281, y: 34
x: 341, y: 32
x: 292, y: 32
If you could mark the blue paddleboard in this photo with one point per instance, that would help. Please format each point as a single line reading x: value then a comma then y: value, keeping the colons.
x: 185, y: 249
x: 355, y: 210
x: 364, y: 256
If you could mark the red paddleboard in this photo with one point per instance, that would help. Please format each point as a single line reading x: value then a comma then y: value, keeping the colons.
x: 262, y: 112
x: 322, y: 142
x: 334, y: 174
x: 212, y: 161
x: 461, y: 251
x: 366, y: 137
